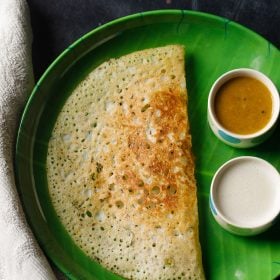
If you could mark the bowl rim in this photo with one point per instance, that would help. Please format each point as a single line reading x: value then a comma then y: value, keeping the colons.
x: 213, y: 186
x: 247, y: 72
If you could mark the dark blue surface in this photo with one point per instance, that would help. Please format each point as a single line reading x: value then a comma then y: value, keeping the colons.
x: 58, y: 23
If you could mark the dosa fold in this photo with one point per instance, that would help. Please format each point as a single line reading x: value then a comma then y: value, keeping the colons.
x: 120, y: 168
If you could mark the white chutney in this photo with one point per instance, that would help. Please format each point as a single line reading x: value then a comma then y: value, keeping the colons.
x: 245, y: 195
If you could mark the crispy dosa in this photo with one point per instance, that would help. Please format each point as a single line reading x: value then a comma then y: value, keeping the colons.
x: 120, y: 169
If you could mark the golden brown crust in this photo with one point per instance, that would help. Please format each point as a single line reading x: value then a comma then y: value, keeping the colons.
x: 127, y: 193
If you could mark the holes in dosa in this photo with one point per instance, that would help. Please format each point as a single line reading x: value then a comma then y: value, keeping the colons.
x: 117, y: 199
x: 119, y: 204
x: 111, y: 187
x: 171, y: 190
x: 141, y: 201
x: 155, y: 190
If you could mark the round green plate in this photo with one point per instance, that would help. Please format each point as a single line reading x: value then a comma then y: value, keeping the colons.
x: 213, y: 45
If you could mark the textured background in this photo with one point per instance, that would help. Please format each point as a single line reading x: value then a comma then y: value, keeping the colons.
x: 58, y: 23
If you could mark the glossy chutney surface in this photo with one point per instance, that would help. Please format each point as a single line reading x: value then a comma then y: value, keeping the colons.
x: 243, y: 105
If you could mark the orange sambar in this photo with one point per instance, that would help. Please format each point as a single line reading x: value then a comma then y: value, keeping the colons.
x: 243, y: 105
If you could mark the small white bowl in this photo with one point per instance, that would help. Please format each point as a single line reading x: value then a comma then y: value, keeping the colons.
x: 245, y: 195
x: 240, y: 140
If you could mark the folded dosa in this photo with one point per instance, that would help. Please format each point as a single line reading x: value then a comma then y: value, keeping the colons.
x: 120, y: 168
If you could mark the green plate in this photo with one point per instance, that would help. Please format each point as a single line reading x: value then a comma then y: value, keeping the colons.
x: 213, y: 45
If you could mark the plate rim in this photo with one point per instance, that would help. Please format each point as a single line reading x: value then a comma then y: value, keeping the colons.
x: 134, y: 16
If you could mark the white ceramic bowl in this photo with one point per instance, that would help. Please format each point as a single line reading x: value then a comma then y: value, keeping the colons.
x: 245, y: 195
x: 240, y: 140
